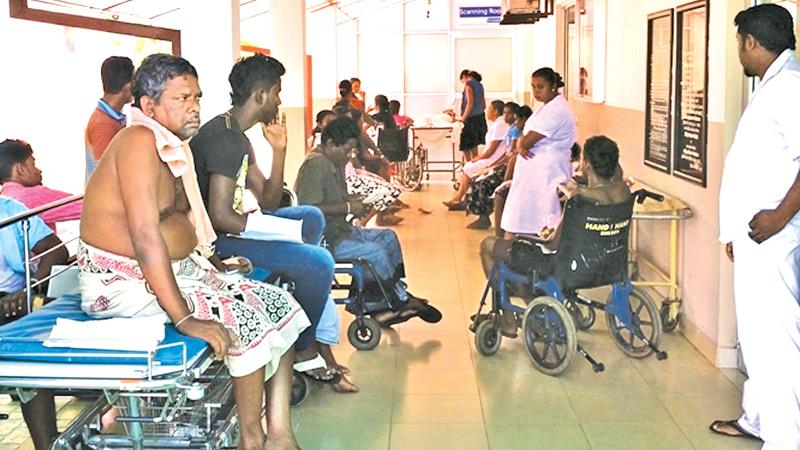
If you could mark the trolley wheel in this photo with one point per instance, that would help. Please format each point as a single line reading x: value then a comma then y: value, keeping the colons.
x: 299, y: 389
x: 364, y: 334
x: 550, y: 335
x: 644, y: 318
x: 668, y: 323
x: 583, y: 315
x: 488, y: 337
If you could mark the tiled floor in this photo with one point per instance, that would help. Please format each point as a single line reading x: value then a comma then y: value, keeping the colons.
x: 426, y: 387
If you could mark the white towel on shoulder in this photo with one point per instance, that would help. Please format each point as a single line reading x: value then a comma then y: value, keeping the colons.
x: 130, y: 334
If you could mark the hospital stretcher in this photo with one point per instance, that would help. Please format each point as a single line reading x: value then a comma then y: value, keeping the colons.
x: 665, y: 283
x: 175, y: 396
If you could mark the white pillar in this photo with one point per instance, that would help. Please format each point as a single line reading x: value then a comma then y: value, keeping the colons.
x: 323, y: 48
x: 289, y: 47
x: 210, y: 41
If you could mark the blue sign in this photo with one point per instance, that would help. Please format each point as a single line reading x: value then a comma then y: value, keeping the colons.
x: 477, y: 12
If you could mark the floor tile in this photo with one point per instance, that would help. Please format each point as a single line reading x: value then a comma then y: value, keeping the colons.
x: 651, y: 436
x: 618, y: 408
x: 337, y: 434
x: 438, y: 437
x: 549, y: 437
x: 528, y: 409
x: 437, y: 409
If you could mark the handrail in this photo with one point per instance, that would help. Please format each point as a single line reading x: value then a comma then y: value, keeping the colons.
x: 32, y: 212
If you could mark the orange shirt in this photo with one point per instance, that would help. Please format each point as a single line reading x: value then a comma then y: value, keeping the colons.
x: 99, y: 132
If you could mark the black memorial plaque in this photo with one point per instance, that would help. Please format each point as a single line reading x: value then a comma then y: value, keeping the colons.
x: 691, y: 93
x: 658, y: 111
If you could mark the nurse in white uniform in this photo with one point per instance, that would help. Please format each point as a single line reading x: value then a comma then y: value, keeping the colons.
x: 543, y: 160
x: 760, y: 225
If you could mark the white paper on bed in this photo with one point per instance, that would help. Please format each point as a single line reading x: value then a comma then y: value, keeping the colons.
x: 130, y: 334
x: 265, y: 227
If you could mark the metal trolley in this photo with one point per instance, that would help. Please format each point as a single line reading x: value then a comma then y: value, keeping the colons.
x: 410, y: 173
x: 666, y: 284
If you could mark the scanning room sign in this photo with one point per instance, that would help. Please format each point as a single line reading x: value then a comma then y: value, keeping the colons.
x: 479, y: 14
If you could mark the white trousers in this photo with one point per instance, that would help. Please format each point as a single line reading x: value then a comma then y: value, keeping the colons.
x: 767, y: 295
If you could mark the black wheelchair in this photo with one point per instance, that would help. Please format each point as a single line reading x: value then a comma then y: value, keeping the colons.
x: 592, y: 252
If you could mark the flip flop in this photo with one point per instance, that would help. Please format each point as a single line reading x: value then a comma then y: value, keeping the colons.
x: 429, y: 314
x: 715, y: 427
x: 317, y: 362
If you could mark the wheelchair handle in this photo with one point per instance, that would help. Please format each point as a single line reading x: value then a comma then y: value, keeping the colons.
x: 642, y: 194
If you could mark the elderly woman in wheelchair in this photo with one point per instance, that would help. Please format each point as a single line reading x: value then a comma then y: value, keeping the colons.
x: 588, y: 249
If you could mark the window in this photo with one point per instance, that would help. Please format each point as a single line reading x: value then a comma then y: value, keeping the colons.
x: 585, y: 49
x: 571, y: 49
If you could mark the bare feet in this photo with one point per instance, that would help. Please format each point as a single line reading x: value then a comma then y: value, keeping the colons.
x: 321, y: 374
x: 281, y: 441
x: 330, y: 360
x: 255, y: 442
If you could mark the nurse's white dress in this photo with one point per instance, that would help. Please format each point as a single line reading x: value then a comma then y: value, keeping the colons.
x: 532, y: 202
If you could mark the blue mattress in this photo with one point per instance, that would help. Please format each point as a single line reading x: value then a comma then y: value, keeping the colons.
x: 18, y: 340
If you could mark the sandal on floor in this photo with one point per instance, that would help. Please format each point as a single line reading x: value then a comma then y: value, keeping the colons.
x: 430, y: 314
x: 318, y: 362
x: 741, y: 432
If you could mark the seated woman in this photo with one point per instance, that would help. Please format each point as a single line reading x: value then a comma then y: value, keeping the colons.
x: 383, y: 116
x: 480, y: 197
x: 399, y: 119
x: 493, y: 154
x: 383, y: 195
x: 323, y: 117
x: 600, y: 167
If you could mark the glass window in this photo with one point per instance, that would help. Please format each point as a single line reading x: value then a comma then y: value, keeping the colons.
x: 571, y: 49
x: 427, y: 74
x: 584, y: 46
x: 585, y: 67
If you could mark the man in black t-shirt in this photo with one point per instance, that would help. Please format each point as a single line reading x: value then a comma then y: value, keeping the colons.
x: 321, y: 183
x: 226, y: 166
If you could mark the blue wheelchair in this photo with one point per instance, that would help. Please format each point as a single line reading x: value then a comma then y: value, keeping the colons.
x: 592, y: 252
x: 363, y: 299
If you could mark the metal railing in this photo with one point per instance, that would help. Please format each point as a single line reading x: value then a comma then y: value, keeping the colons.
x: 25, y: 218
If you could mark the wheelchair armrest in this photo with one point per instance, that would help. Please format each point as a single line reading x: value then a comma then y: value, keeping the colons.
x: 642, y: 194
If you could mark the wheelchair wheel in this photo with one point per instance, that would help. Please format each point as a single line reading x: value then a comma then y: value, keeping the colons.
x: 488, y: 337
x: 299, y: 389
x: 583, y: 315
x: 668, y: 323
x: 645, y: 318
x: 364, y: 334
x: 550, y: 335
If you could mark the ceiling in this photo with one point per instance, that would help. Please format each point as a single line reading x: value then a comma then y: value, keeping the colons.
x: 159, y: 12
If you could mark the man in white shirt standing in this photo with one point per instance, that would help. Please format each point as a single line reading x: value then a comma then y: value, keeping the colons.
x: 760, y: 225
